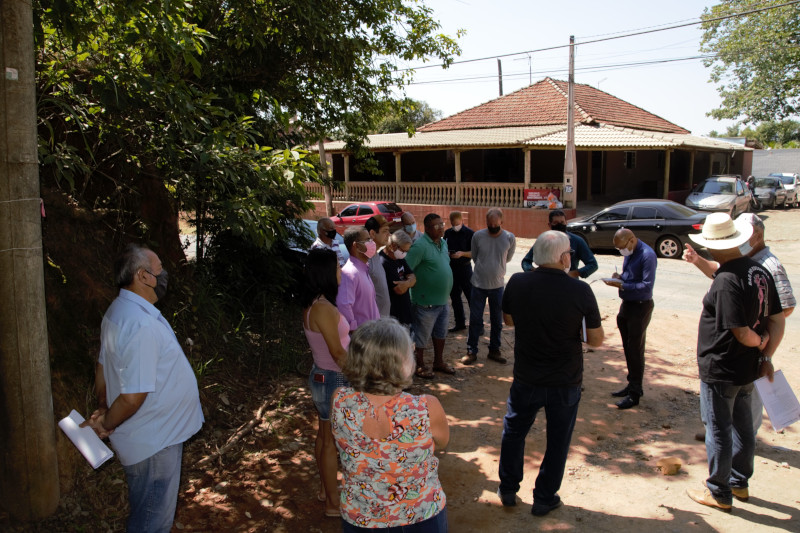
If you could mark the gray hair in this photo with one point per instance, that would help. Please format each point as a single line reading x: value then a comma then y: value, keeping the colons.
x: 400, y: 238
x: 351, y: 235
x: 494, y: 212
x: 752, y: 219
x: 549, y: 246
x: 379, y: 358
x: 130, y: 261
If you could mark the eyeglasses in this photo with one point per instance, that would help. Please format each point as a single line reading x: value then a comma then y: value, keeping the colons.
x: 439, y: 225
x: 570, y: 251
x: 362, y: 242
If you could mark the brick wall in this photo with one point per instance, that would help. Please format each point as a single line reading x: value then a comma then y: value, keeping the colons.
x: 523, y: 223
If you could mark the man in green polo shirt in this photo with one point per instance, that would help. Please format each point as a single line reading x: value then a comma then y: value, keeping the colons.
x: 430, y: 261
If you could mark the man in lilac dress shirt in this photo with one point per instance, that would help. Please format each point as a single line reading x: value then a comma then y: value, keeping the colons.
x: 356, y: 298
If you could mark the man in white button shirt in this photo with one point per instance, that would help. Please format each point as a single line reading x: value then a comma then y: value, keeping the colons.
x: 146, y: 391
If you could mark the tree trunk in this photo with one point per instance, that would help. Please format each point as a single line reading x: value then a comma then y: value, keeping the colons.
x: 28, y: 463
x: 326, y: 180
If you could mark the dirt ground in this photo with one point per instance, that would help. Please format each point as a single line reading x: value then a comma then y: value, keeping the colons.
x: 266, y: 481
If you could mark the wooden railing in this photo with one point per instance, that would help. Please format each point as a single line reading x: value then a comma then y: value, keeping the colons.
x: 467, y: 194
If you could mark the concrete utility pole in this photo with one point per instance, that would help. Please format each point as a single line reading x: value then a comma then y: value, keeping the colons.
x: 28, y: 463
x: 500, y: 75
x: 570, y: 181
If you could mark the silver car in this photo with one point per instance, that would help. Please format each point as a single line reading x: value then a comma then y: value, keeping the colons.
x: 728, y: 194
x: 790, y: 183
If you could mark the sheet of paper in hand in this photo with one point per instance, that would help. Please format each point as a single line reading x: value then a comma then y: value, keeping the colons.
x: 85, y: 439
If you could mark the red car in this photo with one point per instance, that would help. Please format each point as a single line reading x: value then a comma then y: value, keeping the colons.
x: 358, y: 214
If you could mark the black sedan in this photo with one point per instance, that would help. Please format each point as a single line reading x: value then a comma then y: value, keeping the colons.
x: 662, y: 224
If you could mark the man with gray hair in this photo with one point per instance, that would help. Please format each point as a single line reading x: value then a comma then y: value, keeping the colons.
x: 548, y: 365
x: 492, y: 248
x: 146, y: 391
x: 759, y: 252
x: 326, y: 238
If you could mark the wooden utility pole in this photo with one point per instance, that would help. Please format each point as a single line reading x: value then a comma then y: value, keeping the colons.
x: 570, y: 181
x: 28, y: 463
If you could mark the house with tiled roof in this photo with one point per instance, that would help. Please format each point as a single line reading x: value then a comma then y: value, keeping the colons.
x: 495, y: 153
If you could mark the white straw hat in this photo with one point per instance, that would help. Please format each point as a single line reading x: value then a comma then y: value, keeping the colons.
x: 722, y: 233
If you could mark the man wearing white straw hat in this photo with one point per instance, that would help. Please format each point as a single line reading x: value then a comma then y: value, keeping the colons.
x: 740, y: 327
x: 757, y: 249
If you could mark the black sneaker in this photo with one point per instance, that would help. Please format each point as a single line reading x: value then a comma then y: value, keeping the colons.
x: 462, y: 327
x: 631, y: 400
x: 541, y: 509
x: 495, y: 355
x: 508, y: 499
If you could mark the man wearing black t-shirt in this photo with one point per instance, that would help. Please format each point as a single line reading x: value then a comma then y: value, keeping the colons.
x: 548, y: 365
x: 740, y: 327
x: 399, y: 276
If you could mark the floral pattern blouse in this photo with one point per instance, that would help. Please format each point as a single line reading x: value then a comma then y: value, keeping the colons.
x: 392, y: 481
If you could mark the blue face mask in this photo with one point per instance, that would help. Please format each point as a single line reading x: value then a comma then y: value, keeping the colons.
x: 411, y: 228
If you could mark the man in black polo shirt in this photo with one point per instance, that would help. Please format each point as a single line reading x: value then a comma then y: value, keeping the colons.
x: 459, y: 242
x: 740, y: 327
x: 548, y: 365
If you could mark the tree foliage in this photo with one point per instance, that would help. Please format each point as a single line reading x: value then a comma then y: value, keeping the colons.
x: 772, y: 134
x: 212, y: 99
x: 756, y: 59
x: 406, y: 115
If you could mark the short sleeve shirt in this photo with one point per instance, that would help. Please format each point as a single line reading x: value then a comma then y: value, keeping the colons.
x: 139, y: 353
x: 431, y: 264
x: 548, y: 308
x: 397, y: 270
x: 743, y: 294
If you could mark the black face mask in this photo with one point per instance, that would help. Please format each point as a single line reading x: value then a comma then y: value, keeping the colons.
x: 331, y: 233
x: 161, y: 283
x: 559, y: 227
x: 494, y: 230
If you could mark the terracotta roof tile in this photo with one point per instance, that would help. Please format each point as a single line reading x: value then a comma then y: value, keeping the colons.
x: 544, y: 103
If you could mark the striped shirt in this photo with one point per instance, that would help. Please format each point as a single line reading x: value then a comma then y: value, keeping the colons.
x: 768, y: 260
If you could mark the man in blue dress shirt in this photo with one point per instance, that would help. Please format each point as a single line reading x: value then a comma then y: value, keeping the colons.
x: 635, y: 286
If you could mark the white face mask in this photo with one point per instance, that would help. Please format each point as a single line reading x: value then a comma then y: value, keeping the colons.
x: 625, y: 252
x: 400, y: 254
x: 745, y: 248
x: 458, y: 228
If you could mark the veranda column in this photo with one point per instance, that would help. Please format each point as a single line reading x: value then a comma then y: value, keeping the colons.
x: 398, y: 170
x: 667, y: 154
x: 691, y: 168
x: 527, y: 177
x: 458, y: 176
x: 347, y: 176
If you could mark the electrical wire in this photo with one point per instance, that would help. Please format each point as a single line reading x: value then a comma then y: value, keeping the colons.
x: 634, y: 33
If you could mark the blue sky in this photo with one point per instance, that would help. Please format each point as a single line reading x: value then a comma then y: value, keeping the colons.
x: 678, y: 91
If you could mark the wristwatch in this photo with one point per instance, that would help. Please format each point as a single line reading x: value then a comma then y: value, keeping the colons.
x: 766, y: 359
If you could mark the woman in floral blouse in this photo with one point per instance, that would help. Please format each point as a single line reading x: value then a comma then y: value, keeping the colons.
x: 386, y: 438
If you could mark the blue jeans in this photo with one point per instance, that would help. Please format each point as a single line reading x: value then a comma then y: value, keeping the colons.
x: 730, y: 441
x: 153, y: 490
x: 477, y: 303
x: 322, y: 384
x: 429, y: 321
x: 435, y: 524
x: 561, y: 409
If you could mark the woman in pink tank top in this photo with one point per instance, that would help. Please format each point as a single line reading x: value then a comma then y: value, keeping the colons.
x: 328, y: 336
x: 386, y: 437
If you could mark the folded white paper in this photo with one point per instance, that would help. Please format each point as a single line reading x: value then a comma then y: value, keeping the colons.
x: 779, y: 401
x: 85, y: 439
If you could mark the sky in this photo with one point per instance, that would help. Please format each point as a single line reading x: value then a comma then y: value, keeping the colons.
x: 678, y: 91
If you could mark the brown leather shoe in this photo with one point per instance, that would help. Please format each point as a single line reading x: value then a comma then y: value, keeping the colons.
x: 469, y: 359
x: 495, y: 355
x: 741, y: 493
x: 705, y: 497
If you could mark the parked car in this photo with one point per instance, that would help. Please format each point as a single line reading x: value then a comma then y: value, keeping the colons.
x: 790, y: 183
x: 358, y: 214
x: 728, y: 194
x: 771, y: 192
x: 663, y: 224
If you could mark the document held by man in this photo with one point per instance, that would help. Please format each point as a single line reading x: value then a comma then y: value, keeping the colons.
x: 779, y: 401
x: 85, y: 439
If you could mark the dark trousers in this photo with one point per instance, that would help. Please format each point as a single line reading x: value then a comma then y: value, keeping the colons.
x: 462, y: 273
x: 632, y: 321
x: 561, y: 410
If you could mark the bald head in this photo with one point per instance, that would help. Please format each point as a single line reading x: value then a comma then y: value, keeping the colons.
x: 623, y: 237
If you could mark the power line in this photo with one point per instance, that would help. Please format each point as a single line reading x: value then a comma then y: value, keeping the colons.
x: 632, y: 34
